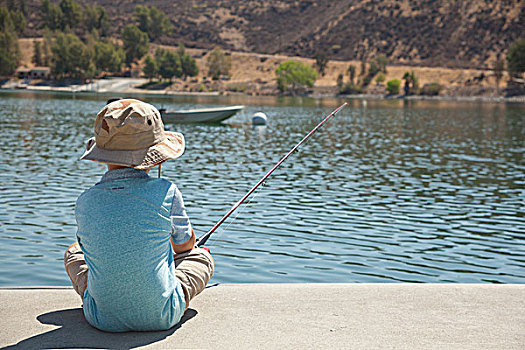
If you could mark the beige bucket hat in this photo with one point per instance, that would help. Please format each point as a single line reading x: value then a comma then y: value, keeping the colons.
x: 130, y: 132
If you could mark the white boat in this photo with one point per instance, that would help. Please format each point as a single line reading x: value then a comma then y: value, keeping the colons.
x: 204, y: 115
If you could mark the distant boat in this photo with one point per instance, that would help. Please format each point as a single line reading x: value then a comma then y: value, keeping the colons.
x: 204, y: 115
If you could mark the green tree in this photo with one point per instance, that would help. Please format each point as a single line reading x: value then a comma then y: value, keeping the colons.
x: 392, y: 86
x: 90, y: 71
x: 516, y: 58
x: 95, y: 17
x: 71, y: 56
x: 23, y: 7
x: 188, y: 64
x: 160, y: 24
x: 218, y: 63
x: 107, y: 57
x: 499, y: 67
x: 377, y: 65
x: 351, y: 73
x: 321, y: 61
x: 411, y: 83
x: 47, y: 55
x: 9, y: 49
x: 16, y: 19
x: 363, y: 66
x: 52, y: 15
x: 169, y: 64
x: 293, y: 76
x: 37, y: 54
x: 142, y: 17
x: 153, y: 21
x: 406, y: 78
x: 71, y: 13
x: 19, y: 21
x: 373, y: 69
x: 150, y: 67
x: 7, y: 63
x: 381, y: 62
x: 19, y: 5
x: 120, y: 56
x: 415, y: 82
x: 340, y: 81
x: 135, y: 43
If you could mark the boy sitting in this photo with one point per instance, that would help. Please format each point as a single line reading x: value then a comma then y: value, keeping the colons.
x: 135, y: 264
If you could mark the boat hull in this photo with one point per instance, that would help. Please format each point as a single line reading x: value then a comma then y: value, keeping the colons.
x: 205, y: 115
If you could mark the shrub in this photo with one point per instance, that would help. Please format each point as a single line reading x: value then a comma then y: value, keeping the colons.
x: 516, y: 57
x: 351, y: 73
x: 373, y: 68
x: 293, y: 76
x: 432, y: 89
x: 340, y: 81
x: 350, y: 89
x: 321, y: 61
x: 237, y: 87
x: 380, y: 78
x: 381, y: 62
x: 392, y: 86
x: 218, y: 63
x: 498, y: 68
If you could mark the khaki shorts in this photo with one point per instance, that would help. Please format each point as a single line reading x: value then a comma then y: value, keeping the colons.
x: 193, y: 269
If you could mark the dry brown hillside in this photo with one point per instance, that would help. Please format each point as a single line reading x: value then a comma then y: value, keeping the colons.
x: 447, y: 33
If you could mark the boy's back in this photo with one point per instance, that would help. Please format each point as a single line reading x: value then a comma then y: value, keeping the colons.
x: 124, y: 230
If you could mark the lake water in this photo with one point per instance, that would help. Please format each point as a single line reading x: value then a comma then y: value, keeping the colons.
x: 388, y: 191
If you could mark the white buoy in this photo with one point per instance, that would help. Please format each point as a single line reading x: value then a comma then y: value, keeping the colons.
x: 259, y: 118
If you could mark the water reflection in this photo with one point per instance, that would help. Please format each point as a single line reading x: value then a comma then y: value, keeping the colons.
x: 419, y: 191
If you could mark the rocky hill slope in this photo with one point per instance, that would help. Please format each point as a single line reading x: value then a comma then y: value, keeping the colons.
x: 446, y: 33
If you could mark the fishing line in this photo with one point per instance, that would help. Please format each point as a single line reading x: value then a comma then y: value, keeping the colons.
x: 207, y: 235
x: 243, y: 208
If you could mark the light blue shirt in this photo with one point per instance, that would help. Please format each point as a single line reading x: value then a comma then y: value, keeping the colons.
x: 124, y: 227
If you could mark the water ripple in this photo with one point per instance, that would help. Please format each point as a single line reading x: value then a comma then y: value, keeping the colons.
x: 416, y: 192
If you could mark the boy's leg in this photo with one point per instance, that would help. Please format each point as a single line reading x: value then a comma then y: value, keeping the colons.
x: 194, y: 269
x: 76, y: 268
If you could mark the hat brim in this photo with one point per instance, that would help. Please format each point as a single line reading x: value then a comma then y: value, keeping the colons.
x: 171, y: 148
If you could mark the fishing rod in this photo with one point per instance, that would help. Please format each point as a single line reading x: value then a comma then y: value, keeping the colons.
x: 207, y: 235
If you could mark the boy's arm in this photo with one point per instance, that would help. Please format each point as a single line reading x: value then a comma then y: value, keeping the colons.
x: 180, y: 225
x: 189, y: 244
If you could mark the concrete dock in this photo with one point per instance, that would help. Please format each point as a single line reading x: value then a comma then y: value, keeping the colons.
x: 288, y: 316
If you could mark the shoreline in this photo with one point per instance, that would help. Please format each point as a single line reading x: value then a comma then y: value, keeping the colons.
x: 86, y: 90
x: 253, y: 74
